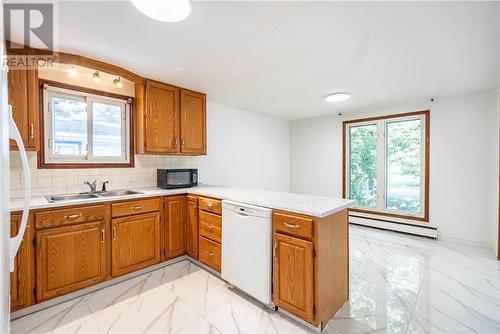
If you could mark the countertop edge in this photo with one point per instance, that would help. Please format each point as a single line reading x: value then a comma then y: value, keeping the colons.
x: 147, y: 193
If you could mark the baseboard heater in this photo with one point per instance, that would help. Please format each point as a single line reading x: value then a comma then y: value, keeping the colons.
x: 385, y: 223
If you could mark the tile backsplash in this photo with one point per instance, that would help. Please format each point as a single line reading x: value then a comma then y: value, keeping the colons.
x: 54, y: 181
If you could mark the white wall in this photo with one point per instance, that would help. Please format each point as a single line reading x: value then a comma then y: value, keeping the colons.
x: 245, y: 149
x: 463, y: 161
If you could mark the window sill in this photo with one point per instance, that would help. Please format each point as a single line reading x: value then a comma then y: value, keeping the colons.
x: 424, y: 219
x: 43, y: 165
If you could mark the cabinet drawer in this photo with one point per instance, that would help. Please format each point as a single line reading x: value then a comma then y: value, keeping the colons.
x: 210, y: 226
x: 210, y: 205
x: 209, y: 253
x: 135, y: 207
x: 293, y: 224
x: 69, y: 216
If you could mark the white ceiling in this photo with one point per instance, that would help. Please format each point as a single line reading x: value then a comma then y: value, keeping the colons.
x: 282, y: 58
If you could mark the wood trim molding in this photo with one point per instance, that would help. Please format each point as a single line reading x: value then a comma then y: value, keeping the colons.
x: 72, y: 59
x: 41, y: 152
x: 92, y: 91
x: 68, y: 58
x: 425, y: 218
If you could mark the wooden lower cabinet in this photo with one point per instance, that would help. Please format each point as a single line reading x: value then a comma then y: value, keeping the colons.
x: 69, y: 258
x: 293, y: 275
x: 135, y: 242
x: 192, y: 227
x: 175, y: 213
x: 310, y: 264
x: 210, y: 253
x: 22, y: 278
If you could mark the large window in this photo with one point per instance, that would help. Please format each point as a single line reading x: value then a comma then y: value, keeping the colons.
x: 81, y: 128
x: 386, y: 164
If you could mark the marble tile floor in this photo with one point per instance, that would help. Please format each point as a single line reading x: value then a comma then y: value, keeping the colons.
x: 398, y: 284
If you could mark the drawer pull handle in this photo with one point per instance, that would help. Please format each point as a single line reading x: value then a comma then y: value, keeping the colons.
x: 210, y: 253
x: 103, y: 238
x: 291, y: 225
x: 138, y: 207
x: 210, y: 226
x: 210, y: 206
x: 74, y: 216
x: 114, y: 232
x: 32, y: 130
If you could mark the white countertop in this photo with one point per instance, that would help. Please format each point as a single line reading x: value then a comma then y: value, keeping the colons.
x: 317, y: 206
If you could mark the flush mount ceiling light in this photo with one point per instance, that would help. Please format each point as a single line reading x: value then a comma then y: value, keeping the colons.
x: 72, y: 72
x: 338, y: 97
x: 118, y: 82
x: 96, y: 77
x: 164, y: 10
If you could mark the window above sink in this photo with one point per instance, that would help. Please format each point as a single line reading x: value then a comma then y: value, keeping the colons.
x: 85, y: 128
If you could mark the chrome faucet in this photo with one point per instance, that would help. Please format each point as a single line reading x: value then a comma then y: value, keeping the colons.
x: 92, y: 186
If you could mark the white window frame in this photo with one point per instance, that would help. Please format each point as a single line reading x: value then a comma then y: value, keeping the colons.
x: 49, y: 92
x: 381, y: 204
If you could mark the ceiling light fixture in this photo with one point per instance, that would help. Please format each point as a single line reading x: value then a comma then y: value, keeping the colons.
x: 96, y: 77
x: 118, y: 83
x: 338, y: 97
x: 162, y: 10
x: 72, y: 72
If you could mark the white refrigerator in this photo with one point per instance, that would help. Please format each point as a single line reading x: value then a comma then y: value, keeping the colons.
x: 8, y: 246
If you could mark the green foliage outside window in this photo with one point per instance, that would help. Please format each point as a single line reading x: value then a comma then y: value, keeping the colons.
x: 363, y: 165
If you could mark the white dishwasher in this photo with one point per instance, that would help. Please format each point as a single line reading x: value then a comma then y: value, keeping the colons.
x: 246, y: 249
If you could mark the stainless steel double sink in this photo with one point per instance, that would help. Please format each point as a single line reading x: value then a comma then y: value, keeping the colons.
x: 71, y: 197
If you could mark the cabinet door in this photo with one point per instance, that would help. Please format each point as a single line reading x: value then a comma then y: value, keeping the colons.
x: 69, y: 258
x: 22, y: 279
x: 293, y: 275
x: 192, y: 227
x: 23, y: 96
x: 161, y: 119
x: 136, y: 242
x: 176, y: 225
x: 193, y: 122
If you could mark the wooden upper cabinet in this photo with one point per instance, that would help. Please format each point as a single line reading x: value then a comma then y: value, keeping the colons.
x: 193, y: 122
x: 135, y: 242
x: 293, y: 274
x: 69, y: 258
x: 192, y: 227
x: 175, y: 226
x: 23, y: 97
x: 161, y: 118
x: 173, y: 120
x: 22, y: 278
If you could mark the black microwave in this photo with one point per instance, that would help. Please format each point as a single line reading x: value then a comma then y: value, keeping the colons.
x: 176, y: 178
